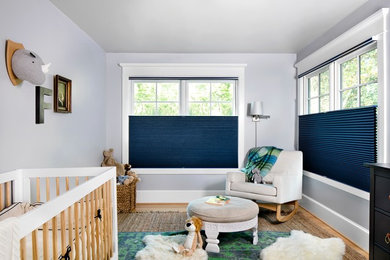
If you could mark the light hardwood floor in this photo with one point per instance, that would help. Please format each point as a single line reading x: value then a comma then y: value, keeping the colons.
x: 303, y: 220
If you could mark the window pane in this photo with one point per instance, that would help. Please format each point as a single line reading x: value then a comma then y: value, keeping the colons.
x: 349, y: 73
x: 168, y: 91
x: 145, y: 91
x: 313, y: 105
x: 369, y: 67
x: 144, y: 109
x: 324, y: 103
x: 221, y: 109
x: 199, y: 109
x: 324, y: 82
x: 349, y: 98
x: 313, y: 86
x: 369, y: 95
x: 222, y: 91
x: 199, y: 91
x: 168, y: 109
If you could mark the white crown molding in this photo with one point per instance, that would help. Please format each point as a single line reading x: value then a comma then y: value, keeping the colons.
x: 370, y: 27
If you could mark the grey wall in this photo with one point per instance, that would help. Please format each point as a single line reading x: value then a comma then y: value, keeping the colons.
x: 65, y: 140
x: 357, y: 16
x: 268, y: 77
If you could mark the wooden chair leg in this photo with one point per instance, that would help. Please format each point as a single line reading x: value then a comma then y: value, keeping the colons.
x: 278, y: 209
x: 281, y: 218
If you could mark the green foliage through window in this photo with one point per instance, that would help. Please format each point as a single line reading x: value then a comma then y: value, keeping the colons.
x: 203, y: 98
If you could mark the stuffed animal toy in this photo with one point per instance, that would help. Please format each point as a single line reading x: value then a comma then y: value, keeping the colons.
x: 108, y: 160
x: 125, y: 180
x: 193, y: 240
x: 133, y: 175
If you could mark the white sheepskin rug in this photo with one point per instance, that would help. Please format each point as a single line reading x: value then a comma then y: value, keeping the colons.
x: 160, y: 247
x: 304, y: 246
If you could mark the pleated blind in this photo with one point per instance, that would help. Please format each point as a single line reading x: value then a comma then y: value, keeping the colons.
x: 336, y: 144
x: 183, y: 141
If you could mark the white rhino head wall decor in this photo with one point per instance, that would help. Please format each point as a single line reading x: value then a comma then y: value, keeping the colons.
x: 27, y: 65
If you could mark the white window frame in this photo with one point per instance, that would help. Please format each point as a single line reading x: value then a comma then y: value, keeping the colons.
x: 334, y: 82
x: 337, y: 72
x: 183, y: 94
x: 306, y: 89
x: 183, y: 70
x: 132, y: 82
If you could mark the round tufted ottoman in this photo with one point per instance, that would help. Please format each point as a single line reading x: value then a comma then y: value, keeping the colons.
x: 237, y: 215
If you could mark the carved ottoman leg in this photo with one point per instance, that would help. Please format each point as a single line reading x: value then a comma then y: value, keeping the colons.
x: 212, y: 235
x: 255, y: 235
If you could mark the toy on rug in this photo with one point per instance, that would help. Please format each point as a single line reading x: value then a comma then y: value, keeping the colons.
x: 193, y: 240
x: 108, y: 160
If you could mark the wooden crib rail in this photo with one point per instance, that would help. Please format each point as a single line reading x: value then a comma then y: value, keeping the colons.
x: 35, y: 218
x: 100, y: 235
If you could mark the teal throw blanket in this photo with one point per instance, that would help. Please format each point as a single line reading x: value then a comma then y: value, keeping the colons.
x: 260, y: 162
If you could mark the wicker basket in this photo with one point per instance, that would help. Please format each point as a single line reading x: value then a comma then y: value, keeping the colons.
x: 126, y: 197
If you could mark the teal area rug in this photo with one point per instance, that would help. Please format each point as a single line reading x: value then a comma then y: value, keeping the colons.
x: 236, y: 245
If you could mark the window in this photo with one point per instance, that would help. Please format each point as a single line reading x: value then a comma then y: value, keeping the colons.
x: 156, y: 98
x: 359, y: 80
x: 184, y: 97
x: 318, y: 92
x: 349, y: 82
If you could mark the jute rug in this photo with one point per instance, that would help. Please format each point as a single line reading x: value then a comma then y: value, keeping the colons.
x: 232, y: 245
x: 157, y: 221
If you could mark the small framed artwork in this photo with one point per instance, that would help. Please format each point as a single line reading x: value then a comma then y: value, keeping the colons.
x: 62, y: 94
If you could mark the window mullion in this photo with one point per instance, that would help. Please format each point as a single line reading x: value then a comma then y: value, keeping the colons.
x: 183, y: 98
x: 210, y: 99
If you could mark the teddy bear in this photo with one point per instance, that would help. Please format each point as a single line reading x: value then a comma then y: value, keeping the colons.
x: 193, y: 240
x: 108, y: 160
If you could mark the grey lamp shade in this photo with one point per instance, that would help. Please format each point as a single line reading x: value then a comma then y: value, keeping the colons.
x: 256, y: 108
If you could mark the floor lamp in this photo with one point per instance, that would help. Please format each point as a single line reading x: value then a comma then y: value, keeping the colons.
x: 257, y: 114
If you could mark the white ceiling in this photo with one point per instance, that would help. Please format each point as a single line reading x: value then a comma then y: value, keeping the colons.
x: 206, y: 26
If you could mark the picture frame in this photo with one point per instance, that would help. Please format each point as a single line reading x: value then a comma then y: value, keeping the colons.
x: 62, y: 94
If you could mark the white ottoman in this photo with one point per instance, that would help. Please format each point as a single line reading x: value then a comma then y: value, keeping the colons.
x: 237, y: 215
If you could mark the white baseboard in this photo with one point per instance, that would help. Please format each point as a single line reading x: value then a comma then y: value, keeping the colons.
x: 173, y: 196
x: 345, y: 226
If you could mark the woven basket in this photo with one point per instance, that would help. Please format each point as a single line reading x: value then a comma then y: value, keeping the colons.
x: 126, y: 197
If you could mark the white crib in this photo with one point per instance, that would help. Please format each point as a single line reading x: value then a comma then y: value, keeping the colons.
x: 77, y: 219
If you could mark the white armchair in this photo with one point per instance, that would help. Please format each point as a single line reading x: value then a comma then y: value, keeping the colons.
x: 283, y: 185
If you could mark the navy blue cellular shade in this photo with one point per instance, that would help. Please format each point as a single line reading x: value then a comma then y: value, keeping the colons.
x: 336, y: 144
x: 183, y: 141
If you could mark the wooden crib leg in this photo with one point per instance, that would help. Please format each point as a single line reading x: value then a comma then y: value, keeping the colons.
x: 55, y: 236
x: 35, y: 244
x: 97, y: 233
x: 45, y: 242
x: 87, y: 221
x: 23, y: 249
x: 77, y: 242
x: 93, y: 230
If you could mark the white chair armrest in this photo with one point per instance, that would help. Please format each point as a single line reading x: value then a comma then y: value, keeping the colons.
x: 233, y: 177
x: 288, y: 186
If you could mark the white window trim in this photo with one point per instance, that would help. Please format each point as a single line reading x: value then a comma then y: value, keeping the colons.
x: 183, y: 100
x: 182, y: 70
x: 340, y: 61
x: 376, y: 27
x: 305, y: 90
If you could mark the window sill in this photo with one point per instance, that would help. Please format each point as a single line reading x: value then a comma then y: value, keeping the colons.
x: 185, y: 171
x: 352, y: 190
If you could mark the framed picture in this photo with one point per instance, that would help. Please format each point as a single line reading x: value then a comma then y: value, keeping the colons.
x: 62, y: 94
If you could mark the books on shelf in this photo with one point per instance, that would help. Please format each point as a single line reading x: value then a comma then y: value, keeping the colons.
x: 218, y: 200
